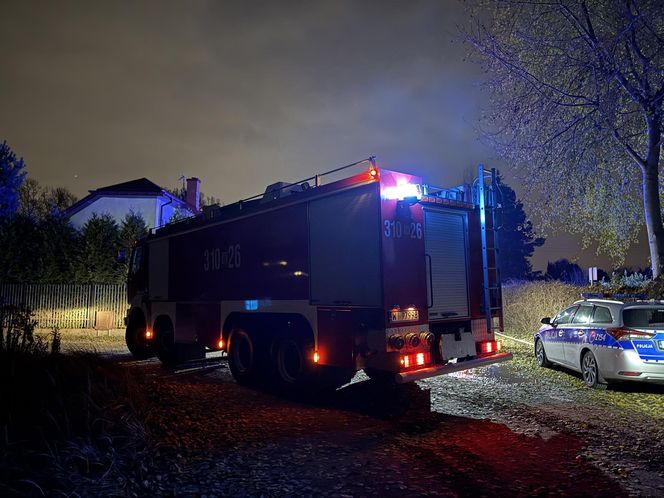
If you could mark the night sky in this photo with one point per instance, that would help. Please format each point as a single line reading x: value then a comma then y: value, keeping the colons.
x: 239, y: 93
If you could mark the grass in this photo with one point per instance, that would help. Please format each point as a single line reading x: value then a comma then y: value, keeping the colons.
x: 69, y: 423
x: 89, y: 340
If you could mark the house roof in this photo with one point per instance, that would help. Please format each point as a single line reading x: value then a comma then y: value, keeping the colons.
x: 142, y: 187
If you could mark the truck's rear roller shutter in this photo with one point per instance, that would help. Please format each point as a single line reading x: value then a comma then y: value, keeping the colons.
x: 445, y: 243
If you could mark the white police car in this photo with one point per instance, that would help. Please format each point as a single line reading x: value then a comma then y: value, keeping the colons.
x: 606, y: 340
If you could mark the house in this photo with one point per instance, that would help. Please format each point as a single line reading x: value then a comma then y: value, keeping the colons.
x: 153, y: 203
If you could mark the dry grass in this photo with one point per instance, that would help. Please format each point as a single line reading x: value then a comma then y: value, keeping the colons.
x: 69, y: 425
x: 82, y: 340
x: 69, y: 422
x: 526, y: 303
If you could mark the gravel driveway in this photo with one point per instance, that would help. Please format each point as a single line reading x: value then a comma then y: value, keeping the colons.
x: 506, y: 430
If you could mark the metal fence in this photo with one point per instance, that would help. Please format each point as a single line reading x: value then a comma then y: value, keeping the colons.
x: 68, y: 306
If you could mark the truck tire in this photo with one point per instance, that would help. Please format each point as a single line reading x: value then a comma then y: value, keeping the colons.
x: 165, y: 347
x: 292, y: 374
x: 242, y: 359
x: 137, y: 345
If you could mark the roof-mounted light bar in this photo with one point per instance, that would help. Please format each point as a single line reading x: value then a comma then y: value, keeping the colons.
x: 402, y: 191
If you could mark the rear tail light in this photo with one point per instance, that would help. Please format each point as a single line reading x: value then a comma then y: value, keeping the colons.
x: 316, y: 357
x: 148, y: 334
x: 489, y: 347
x: 626, y: 334
x: 220, y: 344
x: 415, y: 360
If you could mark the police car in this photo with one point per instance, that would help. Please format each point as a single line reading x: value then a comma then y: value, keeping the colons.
x: 606, y: 340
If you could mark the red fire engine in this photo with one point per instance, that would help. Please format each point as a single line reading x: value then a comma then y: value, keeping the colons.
x: 308, y: 283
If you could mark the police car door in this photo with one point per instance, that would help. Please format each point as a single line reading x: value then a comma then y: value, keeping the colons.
x: 575, y: 336
x: 554, y: 337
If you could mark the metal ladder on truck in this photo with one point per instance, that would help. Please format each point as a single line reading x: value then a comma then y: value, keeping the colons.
x: 488, y: 203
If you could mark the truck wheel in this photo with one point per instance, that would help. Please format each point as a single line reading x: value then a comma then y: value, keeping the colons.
x: 136, y: 343
x: 242, y: 357
x: 165, y: 346
x: 291, y: 369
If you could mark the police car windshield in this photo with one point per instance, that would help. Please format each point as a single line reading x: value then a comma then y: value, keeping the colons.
x: 644, y: 318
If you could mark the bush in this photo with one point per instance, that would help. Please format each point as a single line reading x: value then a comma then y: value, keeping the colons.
x: 526, y: 303
x: 636, y: 283
x: 17, y: 327
x: 622, y: 282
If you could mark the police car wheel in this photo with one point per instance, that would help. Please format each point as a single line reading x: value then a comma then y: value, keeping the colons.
x: 540, y: 354
x: 590, y: 372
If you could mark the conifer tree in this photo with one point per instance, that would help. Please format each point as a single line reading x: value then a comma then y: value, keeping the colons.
x: 97, y: 261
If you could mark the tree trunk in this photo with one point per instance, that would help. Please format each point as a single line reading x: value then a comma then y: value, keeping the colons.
x: 651, y: 204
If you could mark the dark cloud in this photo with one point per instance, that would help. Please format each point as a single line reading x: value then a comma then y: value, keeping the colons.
x: 239, y: 93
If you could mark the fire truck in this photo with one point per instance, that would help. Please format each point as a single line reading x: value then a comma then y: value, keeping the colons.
x: 306, y: 284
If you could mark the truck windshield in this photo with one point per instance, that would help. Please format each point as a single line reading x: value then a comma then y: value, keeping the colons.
x: 644, y: 318
x: 136, y: 260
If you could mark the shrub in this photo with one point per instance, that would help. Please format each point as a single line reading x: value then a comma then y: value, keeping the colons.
x: 626, y: 281
x: 17, y: 327
x: 637, y: 283
x: 526, y: 303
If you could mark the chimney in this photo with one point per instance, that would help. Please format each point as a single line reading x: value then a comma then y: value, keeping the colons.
x: 193, y: 193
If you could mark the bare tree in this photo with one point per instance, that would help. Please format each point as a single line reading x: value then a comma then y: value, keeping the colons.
x: 39, y: 202
x: 576, y: 91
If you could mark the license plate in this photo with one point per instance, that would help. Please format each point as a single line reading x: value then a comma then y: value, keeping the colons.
x: 404, y: 316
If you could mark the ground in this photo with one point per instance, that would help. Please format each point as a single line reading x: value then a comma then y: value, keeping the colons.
x: 508, y: 429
